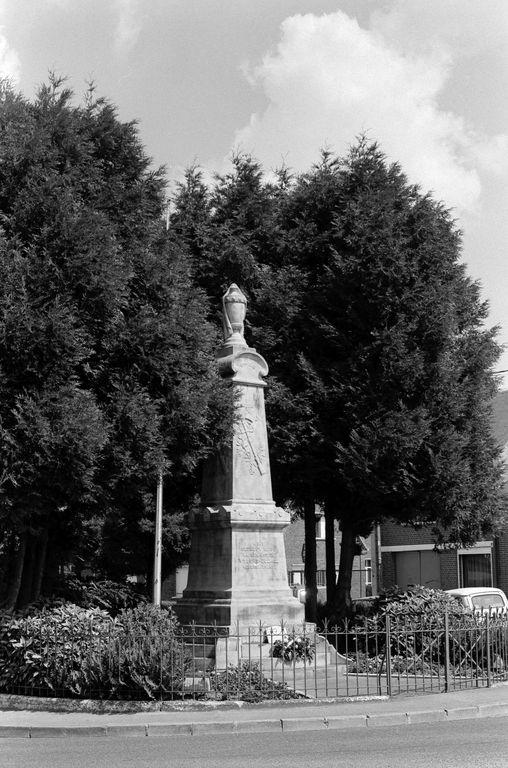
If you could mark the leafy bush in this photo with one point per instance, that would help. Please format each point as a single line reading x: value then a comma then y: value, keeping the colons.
x: 110, y: 596
x: 362, y: 663
x: 247, y: 683
x: 55, y: 650
x: 424, y: 602
x: 417, y: 618
x: 364, y: 607
x: 414, y: 665
x: 80, y: 652
x: 417, y: 635
x: 152, y: 658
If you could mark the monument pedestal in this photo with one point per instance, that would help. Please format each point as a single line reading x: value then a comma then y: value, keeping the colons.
x: 237, y: 566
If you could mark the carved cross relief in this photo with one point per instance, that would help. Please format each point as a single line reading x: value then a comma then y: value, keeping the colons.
x: 249, y: 440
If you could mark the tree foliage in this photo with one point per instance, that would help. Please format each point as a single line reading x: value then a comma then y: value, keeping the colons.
x: 381, y: 362
x: 396, y: 348
x: 106, y: 358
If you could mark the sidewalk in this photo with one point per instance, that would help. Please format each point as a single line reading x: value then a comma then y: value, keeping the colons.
x: 270, y: 716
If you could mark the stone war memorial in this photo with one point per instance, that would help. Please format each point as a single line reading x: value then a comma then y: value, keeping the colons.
x: 237, y: 564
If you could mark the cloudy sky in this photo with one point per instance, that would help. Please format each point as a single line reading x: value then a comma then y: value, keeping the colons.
x: 282, y: 78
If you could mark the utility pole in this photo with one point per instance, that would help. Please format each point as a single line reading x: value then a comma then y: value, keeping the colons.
x: 158, y: 544
x: 157, y: 555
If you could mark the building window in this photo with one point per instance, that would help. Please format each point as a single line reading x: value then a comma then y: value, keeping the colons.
x: 320, y: 527
x: 298, y: 577
x: 368, y: 571
x: 417, y: 567
x: 475, y: 570
x: 295, y: 577
x: 321, y: 578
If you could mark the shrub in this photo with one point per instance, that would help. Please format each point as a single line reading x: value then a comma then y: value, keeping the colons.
x: 247, y: 683
x: 417, y: 637
x: 361, y: 663
x: 73, y: 651
x: 426, y: 603
x: 364, y: 607
x: 110, y: 596
x: 56, y: 650
x: 152, y: 658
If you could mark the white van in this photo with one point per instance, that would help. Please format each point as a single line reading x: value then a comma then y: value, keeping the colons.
x: 481, y: 598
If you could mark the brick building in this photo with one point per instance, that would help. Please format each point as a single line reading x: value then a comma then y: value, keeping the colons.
x: 408, y: 556
x: 364, y: 581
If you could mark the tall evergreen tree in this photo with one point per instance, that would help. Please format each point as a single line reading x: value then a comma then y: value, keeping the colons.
x: 381, y: 363
x: 396, y: 355
x: 106, y: 358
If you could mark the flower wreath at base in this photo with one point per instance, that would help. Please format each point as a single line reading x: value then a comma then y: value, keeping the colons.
x: 295, y: 648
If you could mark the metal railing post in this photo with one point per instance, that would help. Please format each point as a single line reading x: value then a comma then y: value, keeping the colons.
x: 489, y: 668
x: 447, y: 649
x: 388, y: 656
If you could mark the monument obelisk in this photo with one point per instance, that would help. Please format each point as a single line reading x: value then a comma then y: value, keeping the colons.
x: 237, y: 565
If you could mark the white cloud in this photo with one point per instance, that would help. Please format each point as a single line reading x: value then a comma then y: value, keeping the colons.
x: 10, y: 65
x: 329, y: 80
x: 129, y: 24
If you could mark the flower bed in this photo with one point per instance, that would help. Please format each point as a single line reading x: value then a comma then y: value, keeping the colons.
x: 246, y: 683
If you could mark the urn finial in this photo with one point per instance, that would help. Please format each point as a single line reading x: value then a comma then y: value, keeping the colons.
x: 234, y: 305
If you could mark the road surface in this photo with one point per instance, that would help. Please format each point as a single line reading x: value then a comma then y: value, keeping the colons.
x: 481, y: 743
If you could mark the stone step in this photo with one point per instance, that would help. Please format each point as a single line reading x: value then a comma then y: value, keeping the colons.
x: 194, y: 683
x: 331, y: 683
x: 201, y: 656
x: 201, y: 664
x: 201, y: 650
x: 232, y: 651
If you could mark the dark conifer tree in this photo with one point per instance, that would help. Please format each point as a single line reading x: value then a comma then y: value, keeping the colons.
x: 107, y: 358
x: 394, y: 356
x: 381, y: 362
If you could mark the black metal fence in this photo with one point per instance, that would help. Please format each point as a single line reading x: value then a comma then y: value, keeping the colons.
x: 382, y: 655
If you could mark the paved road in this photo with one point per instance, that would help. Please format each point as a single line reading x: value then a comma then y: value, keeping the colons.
x: 460, y: 744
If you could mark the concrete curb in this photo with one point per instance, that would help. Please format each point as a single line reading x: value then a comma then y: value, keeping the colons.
x: 12, y: 703
x: 283, y: 725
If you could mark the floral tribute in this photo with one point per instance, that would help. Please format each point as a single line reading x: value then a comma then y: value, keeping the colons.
x: 294, y: 648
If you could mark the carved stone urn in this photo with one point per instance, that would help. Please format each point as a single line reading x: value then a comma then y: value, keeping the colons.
x: 234, y: 306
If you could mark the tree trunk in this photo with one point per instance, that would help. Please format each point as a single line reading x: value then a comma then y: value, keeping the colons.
x: 343, y: 607
x: 331, y: 575
x: 25, y: 589
x: 309, y: 511
x: 16, y: 574
x: 50, y: 571
x: 41, y: 546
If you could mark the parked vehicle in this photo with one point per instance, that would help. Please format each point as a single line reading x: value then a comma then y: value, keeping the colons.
x: 299, y: 592
x: 479, y: 599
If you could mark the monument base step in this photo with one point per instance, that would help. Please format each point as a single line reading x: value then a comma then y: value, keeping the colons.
x: 194, y: 683
x: 233, y: 651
